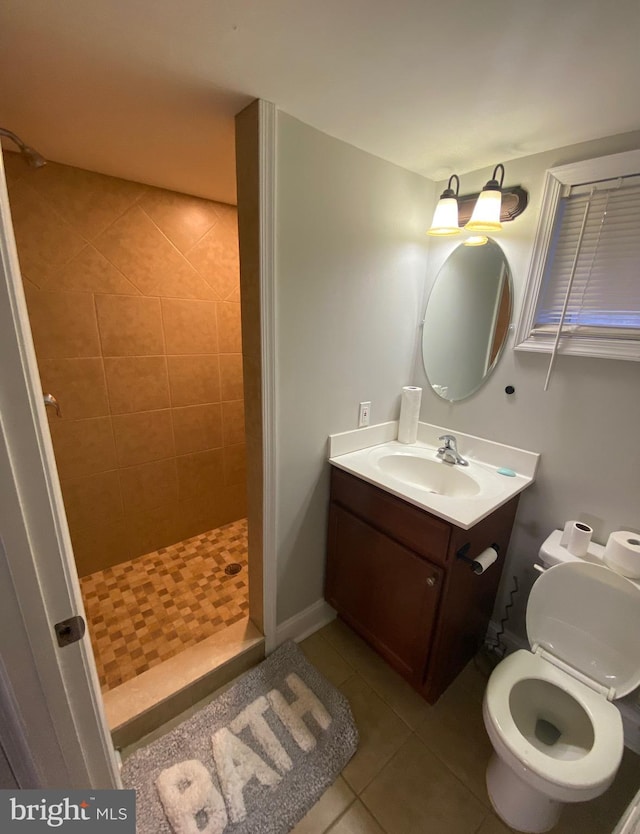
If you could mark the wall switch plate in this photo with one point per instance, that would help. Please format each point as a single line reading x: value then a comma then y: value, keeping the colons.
x: 363, y: 414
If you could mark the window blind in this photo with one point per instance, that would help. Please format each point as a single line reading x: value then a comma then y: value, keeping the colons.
x: 605, y: 294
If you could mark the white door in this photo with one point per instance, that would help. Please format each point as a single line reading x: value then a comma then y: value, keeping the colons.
x: 54, y: 693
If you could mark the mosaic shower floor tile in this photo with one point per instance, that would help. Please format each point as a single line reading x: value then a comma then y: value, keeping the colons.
x: 148, y: 609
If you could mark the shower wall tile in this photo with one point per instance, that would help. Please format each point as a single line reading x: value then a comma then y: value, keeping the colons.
x: 129, y: 325
x: 189, y: 326
x: 231, y: 376
x: 89, y: 202
x: 63, y: 324
x: 44, y: 239
x: 83, y: 447
x: 233, y: 496
x: 98, y: 537
x: 215, y: 257
x: 229, y: 328
x: 15, y: 166
x: 136, y: 246
x: 194, y: 380
x: 143, y: 437
x: 82, y: 495
x: 200, y: 474
x: 101, y: 544
x: 137, y: 383
x: 233, y: 422
x: 184, y: 220
x: 79, y: 384
x: 89, y: 271
x: 149, y: 530
x: 133, y: 295
x: 149, y: 486
x: 197, y: 428
x: 235, y: 464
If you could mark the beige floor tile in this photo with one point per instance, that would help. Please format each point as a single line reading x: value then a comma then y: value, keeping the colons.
x: 357, y: 820
x: 333, y: 802
x: 414, y: 793
x: 492, y: 825
x: 387, y: 683
x: 326, y: 659
x: 454, y: 730
x: 382, y: 733
x: 344, y: 640
x: 601, y: 815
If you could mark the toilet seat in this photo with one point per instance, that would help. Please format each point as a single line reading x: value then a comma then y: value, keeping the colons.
x: 587, y: 618
x: 583, y: 775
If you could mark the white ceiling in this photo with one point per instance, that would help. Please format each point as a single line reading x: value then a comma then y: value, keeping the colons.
x: 147, y: 89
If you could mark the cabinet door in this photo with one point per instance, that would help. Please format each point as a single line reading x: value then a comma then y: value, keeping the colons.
x: 383, y: 590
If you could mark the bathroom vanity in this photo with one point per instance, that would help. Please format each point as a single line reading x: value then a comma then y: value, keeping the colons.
x: 400, y: 573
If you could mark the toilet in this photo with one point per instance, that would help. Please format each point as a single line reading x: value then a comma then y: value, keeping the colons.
x: 557, y: 736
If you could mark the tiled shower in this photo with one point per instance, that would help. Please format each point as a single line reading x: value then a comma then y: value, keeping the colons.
x: 134, y: 302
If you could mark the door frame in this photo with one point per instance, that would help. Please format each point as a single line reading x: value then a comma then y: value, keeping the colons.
x: 267, y: 144
x: 53, y: 689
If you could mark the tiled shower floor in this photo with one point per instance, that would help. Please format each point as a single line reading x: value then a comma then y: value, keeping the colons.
x: 149, y: 609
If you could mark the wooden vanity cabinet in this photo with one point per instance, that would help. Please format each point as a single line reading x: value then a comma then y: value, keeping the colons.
x: 393, y: 576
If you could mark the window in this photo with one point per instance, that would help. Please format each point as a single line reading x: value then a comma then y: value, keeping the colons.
x: 585, y: 270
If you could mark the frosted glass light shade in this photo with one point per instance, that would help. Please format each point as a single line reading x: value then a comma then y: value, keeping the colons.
x: 486, y: 213
x: 445, y: 218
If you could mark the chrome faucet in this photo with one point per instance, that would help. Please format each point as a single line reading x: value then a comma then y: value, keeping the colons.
x: 449, y: 451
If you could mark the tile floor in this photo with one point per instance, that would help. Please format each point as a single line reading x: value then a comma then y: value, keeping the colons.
x: 149, y: 609
x: 419, y: 769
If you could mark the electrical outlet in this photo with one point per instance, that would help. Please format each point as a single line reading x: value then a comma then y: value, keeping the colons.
x: 363, y: 414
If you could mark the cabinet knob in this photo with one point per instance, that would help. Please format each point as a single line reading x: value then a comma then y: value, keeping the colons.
x: 431, y: 581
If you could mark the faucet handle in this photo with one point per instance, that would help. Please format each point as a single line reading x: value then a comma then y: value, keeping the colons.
x: 449, y: 441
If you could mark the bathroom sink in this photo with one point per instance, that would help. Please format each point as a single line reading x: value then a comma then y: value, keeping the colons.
x: 463, y: 495
x: 415, y: 468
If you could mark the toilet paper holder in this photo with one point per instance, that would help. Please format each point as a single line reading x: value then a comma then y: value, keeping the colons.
x: 462, y: 552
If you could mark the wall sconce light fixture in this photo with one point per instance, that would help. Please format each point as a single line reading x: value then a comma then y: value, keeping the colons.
x: 486, y: 214
x: 445, y: 217
x: 478, y: 213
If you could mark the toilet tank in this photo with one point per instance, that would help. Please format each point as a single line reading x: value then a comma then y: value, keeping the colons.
x: 553, y: 553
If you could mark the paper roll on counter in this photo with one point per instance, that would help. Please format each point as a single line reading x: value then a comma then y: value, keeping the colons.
x: 622, y: 553
x: 576, y: 538
x: 409, y: 414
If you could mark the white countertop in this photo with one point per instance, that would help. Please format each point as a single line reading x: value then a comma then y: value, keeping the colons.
x: 492, y: 490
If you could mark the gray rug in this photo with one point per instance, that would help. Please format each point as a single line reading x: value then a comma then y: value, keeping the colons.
x: 253, y: 761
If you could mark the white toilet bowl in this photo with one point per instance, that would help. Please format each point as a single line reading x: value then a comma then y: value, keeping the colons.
x: 557, y: 737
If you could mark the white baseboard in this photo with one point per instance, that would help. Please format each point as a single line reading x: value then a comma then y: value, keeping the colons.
x: 304, y: 623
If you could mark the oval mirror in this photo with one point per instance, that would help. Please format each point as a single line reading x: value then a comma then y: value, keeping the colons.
x: 467, y: 320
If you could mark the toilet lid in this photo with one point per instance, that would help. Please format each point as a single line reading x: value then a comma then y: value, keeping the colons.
x: 589, y: 617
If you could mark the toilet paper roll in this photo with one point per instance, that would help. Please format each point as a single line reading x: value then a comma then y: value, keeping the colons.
x: 484, y: 560
x: 576, y: 538
x: 409, y: 414
x: 622, y: 553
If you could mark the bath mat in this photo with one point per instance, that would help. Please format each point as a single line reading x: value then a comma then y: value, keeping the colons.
x: 253, y: 761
